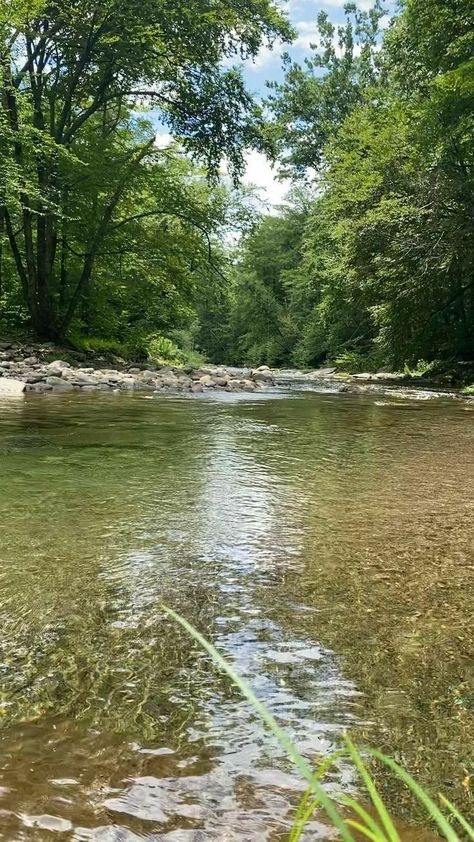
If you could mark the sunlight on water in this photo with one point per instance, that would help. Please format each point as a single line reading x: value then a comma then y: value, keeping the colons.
x: 324, y: 543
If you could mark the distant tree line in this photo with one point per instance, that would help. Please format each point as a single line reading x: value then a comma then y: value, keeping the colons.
x: 103, y: 234
x: 376, y: 263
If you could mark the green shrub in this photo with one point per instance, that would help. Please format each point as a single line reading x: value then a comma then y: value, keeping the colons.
x: 421, y: 369
x: 355, y: 362
x: 163, y: 351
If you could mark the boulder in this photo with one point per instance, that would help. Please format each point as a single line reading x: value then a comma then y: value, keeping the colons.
x: 199, y: 372
x: 170, y: 381
x: 147, y: 376
x: 53, y: 380
x: 263, y: 376
x: 234, y: 385
x: 221, y: 380
x: 185, y: 382
x: 59, y: 385
x: 35, y: 377
x: 207, y: 381
x: 54, y: 370
x: 82, y: 379
x: 11, y: 387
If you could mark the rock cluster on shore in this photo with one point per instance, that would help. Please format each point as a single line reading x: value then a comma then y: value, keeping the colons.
x: 33, y: 368
x: 25, y: 368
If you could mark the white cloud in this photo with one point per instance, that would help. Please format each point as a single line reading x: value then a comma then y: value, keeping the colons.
x: 307, y: 34
x: 338, y: 4
x: 163, y: 139
x: 260, y: 173
x: 296, y: 5
x: 265, y: 56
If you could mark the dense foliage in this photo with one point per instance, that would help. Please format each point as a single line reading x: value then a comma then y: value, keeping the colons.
x: 379, y: 269
x: 105, y: 234
x: 99, y: 227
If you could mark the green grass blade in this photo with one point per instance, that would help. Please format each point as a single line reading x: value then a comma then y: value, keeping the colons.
x: 364, y: 830
x: 326, y: 802
x: 466, y: 826
x: 301, y: 815
x: 365, y: 816
x: 420, y: 794
x: 302, y: 821
x: 390, y: 828
x: 302, y: 807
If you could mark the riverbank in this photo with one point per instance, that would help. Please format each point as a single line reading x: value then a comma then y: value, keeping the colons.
x: 44, y: 368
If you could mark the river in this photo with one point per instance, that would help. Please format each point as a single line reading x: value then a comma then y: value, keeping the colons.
x: 324, y: 542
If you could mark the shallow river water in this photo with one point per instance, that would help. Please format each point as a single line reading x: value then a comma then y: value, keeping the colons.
x: 325, y: 543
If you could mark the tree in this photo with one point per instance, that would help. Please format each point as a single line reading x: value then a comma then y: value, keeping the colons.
x: 385, y: 130
x: 71, y: 74
x: 262, y: 325
x: 316, y: 97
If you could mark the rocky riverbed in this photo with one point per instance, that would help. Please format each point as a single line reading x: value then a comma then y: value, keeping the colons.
x: 30, y: 368
x: 35, y: 368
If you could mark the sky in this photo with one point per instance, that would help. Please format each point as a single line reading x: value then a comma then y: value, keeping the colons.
x: 267, y: 66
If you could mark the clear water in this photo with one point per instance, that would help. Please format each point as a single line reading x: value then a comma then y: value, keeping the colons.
x: 323, y: 542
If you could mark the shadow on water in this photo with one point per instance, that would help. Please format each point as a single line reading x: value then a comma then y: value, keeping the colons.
x: 323, y: 543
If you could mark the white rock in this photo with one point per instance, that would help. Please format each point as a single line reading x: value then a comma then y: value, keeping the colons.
x: 54, y: 370
x: 11, y: 387
x: 263, y: 376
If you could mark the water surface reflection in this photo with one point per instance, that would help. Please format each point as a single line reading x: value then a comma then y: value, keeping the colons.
x: 323, y: 542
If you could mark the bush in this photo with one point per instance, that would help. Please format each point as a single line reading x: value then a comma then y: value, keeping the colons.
x: 421, y: 369
x: 354, y: 362
x: 100, y: 345
x: 163, y: 351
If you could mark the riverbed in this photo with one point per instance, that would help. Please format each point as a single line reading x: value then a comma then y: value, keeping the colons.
x: 324, y: 542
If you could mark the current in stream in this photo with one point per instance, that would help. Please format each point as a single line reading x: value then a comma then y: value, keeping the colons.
x: 324, y: 543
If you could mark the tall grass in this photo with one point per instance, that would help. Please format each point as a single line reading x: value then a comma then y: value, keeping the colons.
x: 345, y: 813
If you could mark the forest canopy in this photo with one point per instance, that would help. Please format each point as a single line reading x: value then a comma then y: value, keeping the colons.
x: 105, y: 234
